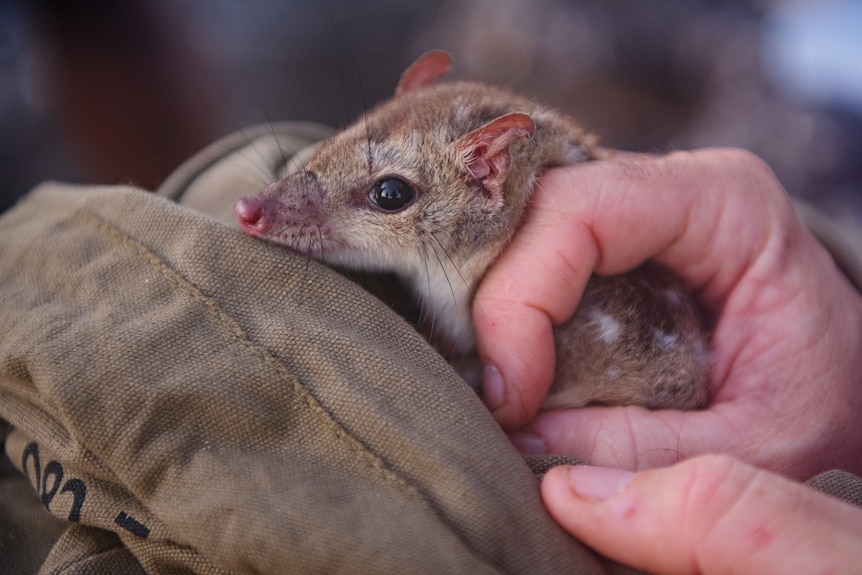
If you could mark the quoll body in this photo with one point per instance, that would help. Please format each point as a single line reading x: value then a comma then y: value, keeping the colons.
x: 432, y: 185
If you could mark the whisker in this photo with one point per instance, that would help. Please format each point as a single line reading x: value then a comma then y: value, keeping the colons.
x: 343, y: 76
x: 298, y: 236
x: 423, y: 308
x: 439, y: 243
x: 295, y: 165
x: 280, y: 204
x: 321, y: 245
x: 451, y: 288
x: 446, y: 275
x: 364, y: 117
x: 340, y: 48
x: 267, y: 174
x: 269, y: 124
x: 258, y: 169
x: 281, y: 230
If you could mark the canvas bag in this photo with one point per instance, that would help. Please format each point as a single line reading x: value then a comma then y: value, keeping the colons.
x: 184, y: 398
x: 188, y: 399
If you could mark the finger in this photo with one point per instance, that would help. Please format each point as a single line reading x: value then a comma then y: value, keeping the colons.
x: 633, y: 438
x: 608, y: 216
x: 707, y: 515
x: 537, y: 283
x: 528, y: 290
x: 750, y: 422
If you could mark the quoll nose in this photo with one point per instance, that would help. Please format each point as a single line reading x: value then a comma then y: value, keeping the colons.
x: 251, y: 214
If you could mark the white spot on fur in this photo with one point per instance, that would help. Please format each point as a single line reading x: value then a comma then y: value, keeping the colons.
x: 673, y: 296
x: 574, y: 153
x: 612, y: 374
x: 664, y: 339
x: 609, y: 328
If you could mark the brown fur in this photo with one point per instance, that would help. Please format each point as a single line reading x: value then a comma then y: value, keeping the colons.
x: 473, y: 153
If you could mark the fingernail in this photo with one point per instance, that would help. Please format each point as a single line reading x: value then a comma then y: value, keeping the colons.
x: 598, y: 483
x: 528, y: 443
x: 493, y: 389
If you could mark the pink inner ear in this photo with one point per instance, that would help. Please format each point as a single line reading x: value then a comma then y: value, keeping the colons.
x: 425, y: 70
x: 485, y: 151
x: 477, y: 165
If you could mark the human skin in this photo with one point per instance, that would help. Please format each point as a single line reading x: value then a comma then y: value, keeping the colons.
x: 711, y: 514
x: 785, y: 390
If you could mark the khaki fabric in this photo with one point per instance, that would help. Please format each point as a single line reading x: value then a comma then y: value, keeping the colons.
x: 184, y: 398
x: 193, y: 400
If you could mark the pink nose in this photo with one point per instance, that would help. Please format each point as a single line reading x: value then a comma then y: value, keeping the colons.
x: 252, y: 215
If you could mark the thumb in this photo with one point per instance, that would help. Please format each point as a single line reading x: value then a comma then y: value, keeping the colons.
x: 607, y: 217
x: 711, y: 514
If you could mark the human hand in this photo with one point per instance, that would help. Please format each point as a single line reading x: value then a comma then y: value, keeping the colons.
x: 784, y: 383
x: 711, y: 514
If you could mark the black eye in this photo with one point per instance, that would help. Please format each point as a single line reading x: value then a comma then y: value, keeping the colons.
x: 391, y: 194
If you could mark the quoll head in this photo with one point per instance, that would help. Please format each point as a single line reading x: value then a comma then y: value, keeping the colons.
x: 415, y: 180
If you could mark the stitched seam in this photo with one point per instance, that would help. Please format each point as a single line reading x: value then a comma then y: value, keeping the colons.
x: 375, y: 462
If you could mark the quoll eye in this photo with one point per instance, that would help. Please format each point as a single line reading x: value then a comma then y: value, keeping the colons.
x: 391, y: 194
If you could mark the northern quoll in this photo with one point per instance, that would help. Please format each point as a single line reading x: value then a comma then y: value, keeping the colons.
x: 433, y: 184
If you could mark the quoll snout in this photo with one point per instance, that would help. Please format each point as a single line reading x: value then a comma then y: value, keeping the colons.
x: 252, y: 214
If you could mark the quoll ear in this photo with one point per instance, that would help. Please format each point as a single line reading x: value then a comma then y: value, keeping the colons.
x: 484, y: 152
x: 425, y: 70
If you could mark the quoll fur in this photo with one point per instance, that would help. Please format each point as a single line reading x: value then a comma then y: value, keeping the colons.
x: 433, y: 184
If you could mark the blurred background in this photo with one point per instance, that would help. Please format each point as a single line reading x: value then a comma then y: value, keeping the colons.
x: 123, y: 91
